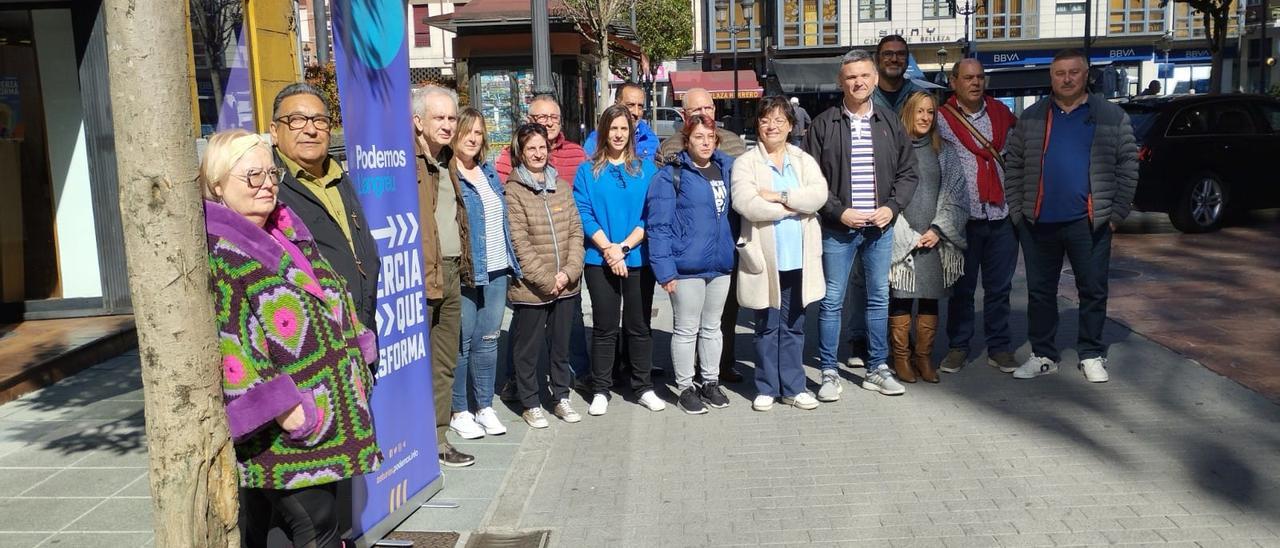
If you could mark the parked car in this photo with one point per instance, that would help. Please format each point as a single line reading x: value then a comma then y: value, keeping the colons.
x: 1201, y: 155
x: 667, y: 121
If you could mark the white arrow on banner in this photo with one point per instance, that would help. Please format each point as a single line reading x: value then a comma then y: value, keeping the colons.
x: 386, y: 233
x: 413, y: 227
x: 404, y: 230
x: 387, y: 320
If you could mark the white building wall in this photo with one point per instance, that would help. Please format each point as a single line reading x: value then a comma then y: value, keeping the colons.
x: 440, y: 53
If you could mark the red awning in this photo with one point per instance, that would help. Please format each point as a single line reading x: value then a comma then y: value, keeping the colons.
x: 719, y: 83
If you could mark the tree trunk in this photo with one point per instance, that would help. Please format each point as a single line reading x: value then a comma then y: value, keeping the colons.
x: 602, y: 75
x: 192, y: 464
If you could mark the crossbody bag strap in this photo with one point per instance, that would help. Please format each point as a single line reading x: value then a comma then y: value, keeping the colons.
x: 977, y: 135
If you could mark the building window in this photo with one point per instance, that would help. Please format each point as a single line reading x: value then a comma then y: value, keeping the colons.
x: 1006, y: 20
x: 747, y: 39
x: 1189, y: 23
x: 1070, y: 8
x: 810, y: 22
x: 938, y: 9
x: 875, y: 10
x: 421, y: 30
x: 1135, y: 17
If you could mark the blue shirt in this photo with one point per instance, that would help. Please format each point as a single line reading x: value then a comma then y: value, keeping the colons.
x: 1065, y: 194
x: 788, y: 234
x: 612, y: 202
x: 646, y: 142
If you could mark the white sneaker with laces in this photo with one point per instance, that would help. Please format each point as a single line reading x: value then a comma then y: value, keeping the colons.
x: 599, y: 405
x: 652, y: 401
x: 803, y: 400
x: 762, y: 403
x: 488, y: 420
x: 1095, y: 369
x: 880, y: 379
x: 565, y: 411
x: 464, y: 425
x: 535, y: 417
x: 1034, y: 367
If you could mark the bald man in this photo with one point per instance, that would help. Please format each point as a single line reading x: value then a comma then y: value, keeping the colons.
x: 631, y: 95
x: 698, y: 101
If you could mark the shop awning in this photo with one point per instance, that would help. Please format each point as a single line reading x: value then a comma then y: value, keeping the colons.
x: 719, y: 83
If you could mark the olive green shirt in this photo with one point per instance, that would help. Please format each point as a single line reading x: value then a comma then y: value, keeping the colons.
x: 325, y: 188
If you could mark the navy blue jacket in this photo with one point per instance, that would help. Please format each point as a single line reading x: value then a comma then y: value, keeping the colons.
x: 688, y: 238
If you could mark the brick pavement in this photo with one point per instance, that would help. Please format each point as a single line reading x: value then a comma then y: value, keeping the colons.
x: 1166, y: 453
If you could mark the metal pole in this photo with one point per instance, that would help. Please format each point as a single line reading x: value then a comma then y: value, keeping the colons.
x: 542, y: 49
x: 1264, y: 70
x: 737, y: 103
x: 1088, y: 31
x: 320, y: 17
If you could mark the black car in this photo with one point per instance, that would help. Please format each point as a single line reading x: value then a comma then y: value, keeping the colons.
x: 1201, y: 154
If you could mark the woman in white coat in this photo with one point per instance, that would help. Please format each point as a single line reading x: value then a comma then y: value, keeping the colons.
x: 777, y: 189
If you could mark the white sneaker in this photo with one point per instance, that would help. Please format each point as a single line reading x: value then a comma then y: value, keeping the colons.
x: 652, y: 401
x: 880, y: 379
x: 488, y: 420
x: 565, y: 411
x: 803, y: 400
x: 1095, y: 369
x: 535, y: 417
x: 599, y: 405
x: 1034, y: 367
x: 464, y: 425
x: 762, y: 403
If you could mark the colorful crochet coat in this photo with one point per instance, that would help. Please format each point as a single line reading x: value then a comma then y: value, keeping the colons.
x: 288, y: 335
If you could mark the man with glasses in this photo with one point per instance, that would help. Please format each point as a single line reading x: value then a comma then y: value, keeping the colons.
x: 631, y: 95
x: 698, y: 102
x: 892, y: 57
x: 566, y: 155
x: 313, y: 184
x: 868, y: 162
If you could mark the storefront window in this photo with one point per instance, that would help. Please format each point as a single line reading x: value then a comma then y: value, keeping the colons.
x: 875, y: 10
x: 223, y: 87
x: 1189, y: 23
x: 1006, y: 20
x: 1135, y: 17
x: 938, y: 9
x: 810, y: 22
x: 748, y: 39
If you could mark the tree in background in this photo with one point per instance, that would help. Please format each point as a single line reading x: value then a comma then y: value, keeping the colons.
x: 592, y: 19
x: 325, y: 78
x: 191, y: 462
x: 1216, y: 17
x: 664, y: 33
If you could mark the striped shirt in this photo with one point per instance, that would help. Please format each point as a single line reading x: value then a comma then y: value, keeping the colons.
x: 495, y: 240
x: 862, y: 168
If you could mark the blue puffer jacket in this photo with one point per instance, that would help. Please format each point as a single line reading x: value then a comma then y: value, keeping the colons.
x: 688, y: 237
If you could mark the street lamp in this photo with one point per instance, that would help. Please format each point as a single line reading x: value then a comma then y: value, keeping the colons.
x: 726, y: 25
x: 942, y: 66
x: 1164, y: 44
x: 969, y: 8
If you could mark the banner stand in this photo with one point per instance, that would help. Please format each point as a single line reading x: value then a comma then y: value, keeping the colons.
x: 376, y: 533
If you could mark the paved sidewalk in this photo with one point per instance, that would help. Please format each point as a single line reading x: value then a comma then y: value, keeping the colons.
x: 1165, y: 453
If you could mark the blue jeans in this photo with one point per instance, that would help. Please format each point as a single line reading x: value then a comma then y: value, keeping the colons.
x: 780, y: 341
x: 1089, y: 251
x: 992, y: 253
x: 482, y: 311
x: 839, y: 249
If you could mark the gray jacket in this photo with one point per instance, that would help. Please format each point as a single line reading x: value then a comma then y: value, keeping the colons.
x: 1113, y: 163
x: 828, y: 142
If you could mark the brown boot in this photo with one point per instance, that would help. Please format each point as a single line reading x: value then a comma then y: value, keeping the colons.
x: 922, y: 357
x: 900, y: 347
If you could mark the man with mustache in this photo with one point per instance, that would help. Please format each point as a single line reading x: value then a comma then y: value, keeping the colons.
x: 1072, y: 171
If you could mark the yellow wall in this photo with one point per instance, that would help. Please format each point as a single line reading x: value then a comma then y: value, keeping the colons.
x: 273, y: 53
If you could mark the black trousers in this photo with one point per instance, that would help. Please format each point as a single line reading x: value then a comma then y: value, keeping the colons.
x: 628, y: 301
x: 308, y: 516
x: 534, y: 329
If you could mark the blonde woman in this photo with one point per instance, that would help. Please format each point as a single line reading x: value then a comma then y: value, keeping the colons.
x: 778, y: 188
x: 295, y: 376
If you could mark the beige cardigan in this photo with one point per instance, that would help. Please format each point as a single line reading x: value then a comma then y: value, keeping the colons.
x: 758, y: 285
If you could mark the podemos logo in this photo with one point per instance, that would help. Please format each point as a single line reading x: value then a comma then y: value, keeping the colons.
x: 378, y: 159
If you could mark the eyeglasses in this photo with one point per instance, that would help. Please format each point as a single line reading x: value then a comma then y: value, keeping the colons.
x: 299, y: 121
x: 773, y: 122
x: 545, y: 119
x: 891, y: 54
x: 258, y: 177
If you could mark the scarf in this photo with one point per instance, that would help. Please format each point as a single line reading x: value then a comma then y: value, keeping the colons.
x: 990, y: 190
x: 902, y: 268
x: 522, y: 174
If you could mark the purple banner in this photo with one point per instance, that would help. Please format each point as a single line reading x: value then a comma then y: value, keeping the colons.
x: 372, y: 60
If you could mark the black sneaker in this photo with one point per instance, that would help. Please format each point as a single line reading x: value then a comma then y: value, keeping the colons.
x: 453, y: 458
x: 714, y: 396
x: 508, y: 392
x: 690, y: 402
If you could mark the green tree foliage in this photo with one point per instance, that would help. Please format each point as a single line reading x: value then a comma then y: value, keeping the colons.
x: 665, y: 30
x: 325, y: 78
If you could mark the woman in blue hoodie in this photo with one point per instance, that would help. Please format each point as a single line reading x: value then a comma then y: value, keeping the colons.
x: 691, y: 246
x: 610, y: 192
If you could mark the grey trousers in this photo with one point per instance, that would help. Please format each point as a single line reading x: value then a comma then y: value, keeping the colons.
x: 695, y: 313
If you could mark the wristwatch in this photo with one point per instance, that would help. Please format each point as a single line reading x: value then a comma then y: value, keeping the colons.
x: 784, y: 196
x: 625, y: 249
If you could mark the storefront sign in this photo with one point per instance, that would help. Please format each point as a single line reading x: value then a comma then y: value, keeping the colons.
x: 1022, y: 58
x: 742, y: 94
x: 373, y: 83
x: 914, y: 35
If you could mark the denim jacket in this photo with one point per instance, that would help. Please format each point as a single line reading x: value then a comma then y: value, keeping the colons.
x: 476, y: 220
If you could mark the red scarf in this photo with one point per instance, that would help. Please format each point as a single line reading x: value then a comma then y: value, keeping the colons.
x: 990, y: 190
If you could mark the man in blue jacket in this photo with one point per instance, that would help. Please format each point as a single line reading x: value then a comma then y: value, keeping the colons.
x: 1071, y: 172
x: 631, y: 95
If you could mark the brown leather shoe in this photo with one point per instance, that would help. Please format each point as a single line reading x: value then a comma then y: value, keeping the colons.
x: 729, y: 375
x: 900, y: 347
x: 922, y: 356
